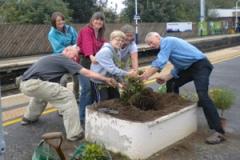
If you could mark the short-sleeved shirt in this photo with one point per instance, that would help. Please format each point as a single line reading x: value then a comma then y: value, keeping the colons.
x: 52, y: 68
x: 128, y: 50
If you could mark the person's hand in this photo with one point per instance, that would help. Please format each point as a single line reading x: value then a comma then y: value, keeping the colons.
x: 143, y: 76
x: 160, y: 80
x: 122, y: 85
x: 163, y: 78
x: 111, y: 82
x: 132, y: 73
x: 93, y: 59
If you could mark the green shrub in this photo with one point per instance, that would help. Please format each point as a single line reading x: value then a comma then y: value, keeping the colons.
x: 88, y: 151
x: 132, y: 86
x: 94, y: 152
x: 222, y: 98
x: 162, y: 89
x: 190, y: 96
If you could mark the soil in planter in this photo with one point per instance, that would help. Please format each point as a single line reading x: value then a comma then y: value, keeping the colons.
x: 162, y: 104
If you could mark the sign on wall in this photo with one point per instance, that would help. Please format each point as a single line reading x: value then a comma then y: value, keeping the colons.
x: 179, y: 27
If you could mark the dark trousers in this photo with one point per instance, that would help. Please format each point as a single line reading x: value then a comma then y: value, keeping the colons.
x: 103, y: 92
x: 199, y: 73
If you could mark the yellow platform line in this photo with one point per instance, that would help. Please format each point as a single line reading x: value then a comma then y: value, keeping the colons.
x: 17, y: 120
x: 50, y: 110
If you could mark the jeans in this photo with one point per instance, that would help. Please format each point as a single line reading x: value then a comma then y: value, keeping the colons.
x: 199, y: 73
x: 86, y: 97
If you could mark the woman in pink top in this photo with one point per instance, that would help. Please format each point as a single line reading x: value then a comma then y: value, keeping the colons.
x: 90, y: 40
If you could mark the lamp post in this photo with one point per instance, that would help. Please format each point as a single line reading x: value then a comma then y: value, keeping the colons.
x: 202, y: 10
x: 136, y: 18
x: 236, y: 15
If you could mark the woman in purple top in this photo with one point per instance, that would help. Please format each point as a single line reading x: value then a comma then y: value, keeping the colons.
x: 90, y: 40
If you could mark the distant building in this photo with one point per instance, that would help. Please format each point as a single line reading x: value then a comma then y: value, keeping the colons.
x: 228, y: 16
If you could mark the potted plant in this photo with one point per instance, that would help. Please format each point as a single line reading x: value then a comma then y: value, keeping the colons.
x: 223, y: 99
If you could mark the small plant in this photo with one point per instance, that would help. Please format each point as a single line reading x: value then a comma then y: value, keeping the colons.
x: 132, y: 86
x: 190, y: 96
x: 90, y: 151
x: 162, y: 89
x: 222, y: 98
x: 94, y: 152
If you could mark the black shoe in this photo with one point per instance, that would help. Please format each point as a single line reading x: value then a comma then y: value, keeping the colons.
x: 78, y: 137
x: 26, y: 121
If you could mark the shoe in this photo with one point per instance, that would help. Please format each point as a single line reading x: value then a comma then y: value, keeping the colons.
x: 78, y: 137
x: 215, y: 138
x: 60, y: 114
x: 26, y: 121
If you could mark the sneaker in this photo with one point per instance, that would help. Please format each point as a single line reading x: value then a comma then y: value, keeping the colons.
x: 215, y: 138
x: 26, y: 121
x: 78, y: 137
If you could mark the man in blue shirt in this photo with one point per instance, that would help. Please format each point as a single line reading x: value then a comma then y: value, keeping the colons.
x: 190, y: 64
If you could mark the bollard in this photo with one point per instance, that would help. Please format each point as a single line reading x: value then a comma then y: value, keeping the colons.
x: 2, y: 141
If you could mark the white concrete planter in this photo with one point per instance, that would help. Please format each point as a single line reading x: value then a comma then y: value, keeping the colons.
x: 139, y: 140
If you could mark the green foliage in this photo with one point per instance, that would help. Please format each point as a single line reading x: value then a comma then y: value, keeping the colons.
x: 170, y: 10
x: 191, y: 96
x: 222, y: 98
x: 111, y: 16
x: 31, y: 11
x: 162, y: 10
x: 89, y: 151
x: 162, y: 89
x: 94, y: 152
x: 220, y: 4
x: 82, y: 9
x: 133, y: 86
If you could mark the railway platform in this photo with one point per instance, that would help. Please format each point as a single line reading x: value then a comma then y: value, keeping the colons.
x: 21, y: 140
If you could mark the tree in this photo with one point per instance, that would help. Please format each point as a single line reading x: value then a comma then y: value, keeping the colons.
x: 170, y: 10
x: 31, y: 11
x: 82, y: 9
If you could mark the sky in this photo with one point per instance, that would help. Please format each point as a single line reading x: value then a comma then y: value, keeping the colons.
x: 112, y: 4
